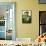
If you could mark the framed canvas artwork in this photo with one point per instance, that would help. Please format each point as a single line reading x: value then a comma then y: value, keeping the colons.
x: 42, y: 1
x: 26, y: 16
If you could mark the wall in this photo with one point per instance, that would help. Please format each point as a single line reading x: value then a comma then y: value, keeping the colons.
x: 27, y: 30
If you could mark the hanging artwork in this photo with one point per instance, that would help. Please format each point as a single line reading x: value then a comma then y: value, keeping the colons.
x: 26, y: 16
x: 42, y: 1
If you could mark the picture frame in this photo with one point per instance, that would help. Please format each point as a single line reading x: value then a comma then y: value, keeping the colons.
x: 42, y: 1
x: 26, y: 16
